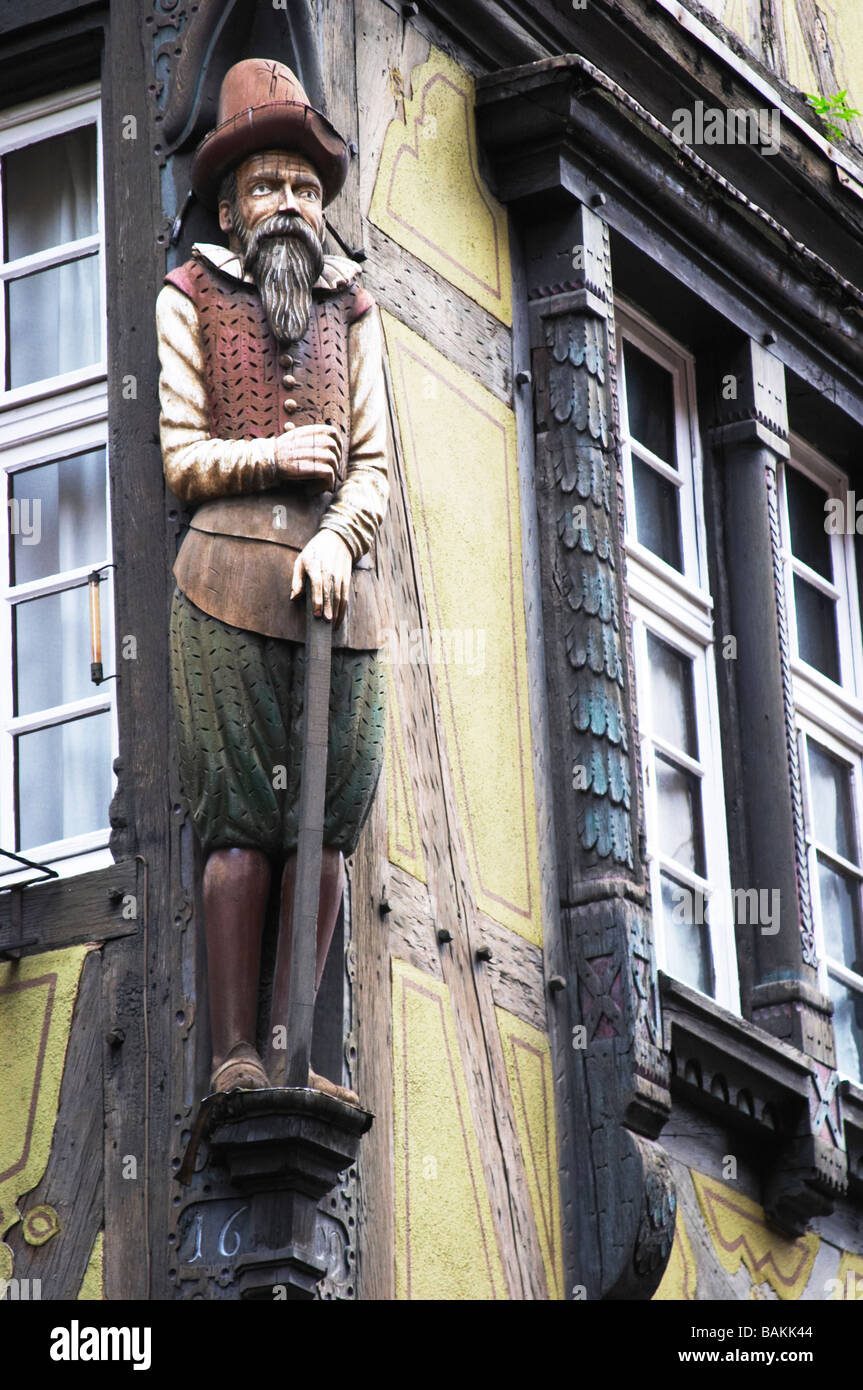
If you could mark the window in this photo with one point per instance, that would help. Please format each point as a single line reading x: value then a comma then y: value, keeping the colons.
x: 824, y: 623
x: 57, y: 728
x: 820, y: 583
x: 672, y: 615
x: 832, y: 785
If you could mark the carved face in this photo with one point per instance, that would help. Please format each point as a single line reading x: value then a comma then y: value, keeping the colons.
x: 272, y: 182
x: 273, y: 210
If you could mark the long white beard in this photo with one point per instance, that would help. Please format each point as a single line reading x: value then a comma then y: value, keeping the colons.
x: 284, y: 267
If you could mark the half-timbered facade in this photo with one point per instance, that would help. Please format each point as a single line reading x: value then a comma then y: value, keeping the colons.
x: 599, y: 974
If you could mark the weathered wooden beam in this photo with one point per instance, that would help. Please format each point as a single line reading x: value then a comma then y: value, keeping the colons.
x: 413, y: 921
x: 515, y: 972
x: 140, y: 973
x: 424, y: 301
x: 69, y: 911
x: 339, y: 69
x: 72, y: 1184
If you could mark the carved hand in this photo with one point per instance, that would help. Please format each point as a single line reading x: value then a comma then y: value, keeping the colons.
x: 309, y: 454
x: 327, y: 562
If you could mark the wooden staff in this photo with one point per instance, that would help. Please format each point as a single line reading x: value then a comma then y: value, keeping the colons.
x: 304, y: 933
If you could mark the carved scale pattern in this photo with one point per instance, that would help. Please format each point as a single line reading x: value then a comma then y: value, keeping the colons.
x: 810, y: 956
x: 578, y: 460
x: 648, y: 1030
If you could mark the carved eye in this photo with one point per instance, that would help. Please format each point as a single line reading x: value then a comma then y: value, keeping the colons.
x: 260, y: 189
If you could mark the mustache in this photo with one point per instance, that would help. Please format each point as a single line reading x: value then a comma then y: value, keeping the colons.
x: 277, y: 227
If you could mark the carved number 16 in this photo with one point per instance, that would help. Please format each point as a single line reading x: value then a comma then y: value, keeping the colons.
x: 223, y: 1236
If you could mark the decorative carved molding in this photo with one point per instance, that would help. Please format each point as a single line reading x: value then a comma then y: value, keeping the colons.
x: 807, y: 933
x: 766, y: 1087
x: 195, y: 44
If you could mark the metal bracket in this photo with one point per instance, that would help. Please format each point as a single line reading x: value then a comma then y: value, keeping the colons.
x: 15, y: 948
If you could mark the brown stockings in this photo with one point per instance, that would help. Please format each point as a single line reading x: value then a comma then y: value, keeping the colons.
x: 236, y: 887
x: 332, y: 888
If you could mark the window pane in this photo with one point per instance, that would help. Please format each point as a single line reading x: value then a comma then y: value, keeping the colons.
x: 840, y: 896
x: 63, y: 777
x: 672, y: 695
x: 848, y: 1027
x: 806, y: 516
x: 60, y: 521
x: 52, y: 648
x: 817, y: 643
x: 650, y: 403
x: 657, y: 513
x: 830, y: 781
x: 49, y: 192
x: 53, y: 319
x: 678, y: 794
x: 687, y: 936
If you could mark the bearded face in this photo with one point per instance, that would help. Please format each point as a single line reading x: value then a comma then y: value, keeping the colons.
x: 284, y: 256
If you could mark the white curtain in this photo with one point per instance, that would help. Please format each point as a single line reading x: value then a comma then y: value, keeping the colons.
x: 50, y: 199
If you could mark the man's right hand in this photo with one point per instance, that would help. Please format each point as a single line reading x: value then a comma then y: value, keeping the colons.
x: 309, y: 454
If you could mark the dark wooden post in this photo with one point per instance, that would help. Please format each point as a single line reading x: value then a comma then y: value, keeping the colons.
x: 615, y: 1074
x: 748, y: 441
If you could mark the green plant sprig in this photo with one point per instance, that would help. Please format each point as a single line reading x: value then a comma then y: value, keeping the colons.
x: 831, y: 109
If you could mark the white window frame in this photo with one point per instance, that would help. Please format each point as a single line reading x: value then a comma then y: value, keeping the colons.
x: 715, y: 886
x: 678, y: 608
x: 692, y: 585
x: 829, y: 966
x: 829, y: 714
x: 835, y: 706
x: 26, y: 125
x: 40, y: 422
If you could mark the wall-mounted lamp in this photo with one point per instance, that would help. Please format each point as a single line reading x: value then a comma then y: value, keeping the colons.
x: 94, y: 579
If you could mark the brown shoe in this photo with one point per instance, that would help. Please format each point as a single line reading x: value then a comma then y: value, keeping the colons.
x: 242, y: 1070
x: 329, y: 1088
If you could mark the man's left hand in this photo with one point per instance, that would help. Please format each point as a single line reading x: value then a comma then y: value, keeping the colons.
x: 327, y: 563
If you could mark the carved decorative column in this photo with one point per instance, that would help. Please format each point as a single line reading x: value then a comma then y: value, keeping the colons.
x: 751, y: 436
x: 616, y: 1072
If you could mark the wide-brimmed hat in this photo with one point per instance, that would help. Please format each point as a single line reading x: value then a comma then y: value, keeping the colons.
x: 262, y: 106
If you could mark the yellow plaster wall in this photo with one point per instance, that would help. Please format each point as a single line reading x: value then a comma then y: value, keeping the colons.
x: 445, y: 1245
x: 429, y: 196
x: 680, y: 1279
x: 725, y: 1248
x: 460, y: 461
x: 93, y: 1283
x: 841, y: 21
x: 741, y: 1235
x: 529, y: 1072
x: 37, y: 1000
x: 800, y: 71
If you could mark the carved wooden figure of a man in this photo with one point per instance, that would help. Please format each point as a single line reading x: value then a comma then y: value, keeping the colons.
x: 273, y: 429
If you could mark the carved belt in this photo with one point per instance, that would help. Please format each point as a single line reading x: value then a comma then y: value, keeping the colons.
x: 237, y: 560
